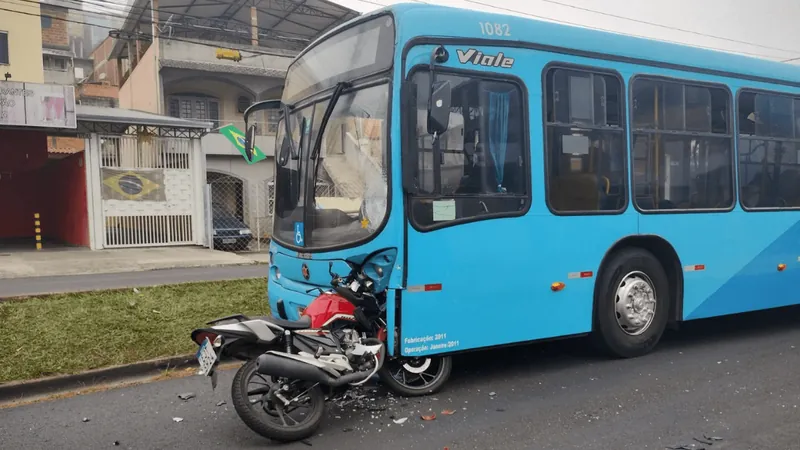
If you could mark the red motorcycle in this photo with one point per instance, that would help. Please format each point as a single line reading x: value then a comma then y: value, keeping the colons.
x: 292, y: 366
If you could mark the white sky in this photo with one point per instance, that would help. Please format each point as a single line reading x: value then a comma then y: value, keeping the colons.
x: 762, y: 28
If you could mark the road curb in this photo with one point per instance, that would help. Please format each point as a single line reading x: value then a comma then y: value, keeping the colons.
x: 20, y: 390
x: 141, y: 269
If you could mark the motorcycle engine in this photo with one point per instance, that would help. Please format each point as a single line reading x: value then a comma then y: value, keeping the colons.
x: 349, y: 338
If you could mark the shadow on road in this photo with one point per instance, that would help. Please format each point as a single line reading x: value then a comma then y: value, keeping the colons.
x: 542, y: 357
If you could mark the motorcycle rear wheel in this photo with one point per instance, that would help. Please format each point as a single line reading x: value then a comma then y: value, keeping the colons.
x: 268, y: 419
x: 416, y: 377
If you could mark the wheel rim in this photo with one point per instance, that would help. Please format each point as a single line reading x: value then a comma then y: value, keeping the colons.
x: 262, y: 398
x: 416, y: 373
x: 635, y: 303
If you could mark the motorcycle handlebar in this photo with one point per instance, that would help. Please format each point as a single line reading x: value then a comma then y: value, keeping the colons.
x: 348, y: 295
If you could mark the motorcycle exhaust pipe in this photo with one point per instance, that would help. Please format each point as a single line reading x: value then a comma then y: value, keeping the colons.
x: 278, y: 366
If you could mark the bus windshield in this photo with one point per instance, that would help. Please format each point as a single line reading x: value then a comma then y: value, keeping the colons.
x: 338, y: 194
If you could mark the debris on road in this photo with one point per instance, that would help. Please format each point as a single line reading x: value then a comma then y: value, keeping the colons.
x: 448, y: 412
x: 85, y: 419
x: 712, y: 438
x: 177, y: 419
x: 401, y: 420
x: 703, y: 441
x: 116, y: 443
x: 186, y: 396
x: 222, y: 402
x: 492, y: 394
x: 428, y: 418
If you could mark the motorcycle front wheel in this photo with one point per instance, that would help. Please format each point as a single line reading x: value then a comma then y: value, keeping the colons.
x: 415, y: 377
x: 255, y: 403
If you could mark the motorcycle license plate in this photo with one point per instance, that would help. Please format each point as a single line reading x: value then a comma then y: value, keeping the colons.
x: 206, y: 356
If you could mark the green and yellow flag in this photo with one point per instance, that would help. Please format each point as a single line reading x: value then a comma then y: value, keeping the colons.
x: 135, y: 185
x: 236, y: 136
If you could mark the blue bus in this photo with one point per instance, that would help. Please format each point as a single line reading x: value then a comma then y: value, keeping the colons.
x: 533, y: 181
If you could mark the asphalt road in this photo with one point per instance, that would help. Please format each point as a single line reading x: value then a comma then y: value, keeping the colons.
x: 730, y: 378
x: 16, y: 287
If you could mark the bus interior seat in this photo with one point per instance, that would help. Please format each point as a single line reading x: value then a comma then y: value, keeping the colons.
x: 789, y: 187
x: 575, y: 192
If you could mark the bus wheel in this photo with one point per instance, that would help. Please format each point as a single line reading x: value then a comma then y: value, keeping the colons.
x: 632, y: 304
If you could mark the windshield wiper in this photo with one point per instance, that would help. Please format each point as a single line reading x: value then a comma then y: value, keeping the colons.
x: 287, y: 114
x: 337, y: 92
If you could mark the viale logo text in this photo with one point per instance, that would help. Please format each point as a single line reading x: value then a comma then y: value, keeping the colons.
x: 479, y: 59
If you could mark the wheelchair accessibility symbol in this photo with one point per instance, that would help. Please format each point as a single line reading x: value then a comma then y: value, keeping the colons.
x: 298, y: 233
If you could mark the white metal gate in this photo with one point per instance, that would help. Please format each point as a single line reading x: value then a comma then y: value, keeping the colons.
x: 148, y: 191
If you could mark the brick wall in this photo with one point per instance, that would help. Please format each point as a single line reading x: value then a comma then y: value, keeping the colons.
x: 63, y: 144
x: 102, y: 65
x: 55, y: 35
x: 98, y: 90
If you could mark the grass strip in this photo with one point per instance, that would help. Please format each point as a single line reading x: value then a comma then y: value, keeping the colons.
x: 71, y: 333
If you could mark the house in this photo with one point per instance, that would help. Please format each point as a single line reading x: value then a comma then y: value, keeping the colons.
x: 209, y: 62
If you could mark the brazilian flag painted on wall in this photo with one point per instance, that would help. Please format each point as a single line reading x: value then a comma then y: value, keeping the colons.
x: 135, y: 185
x: 236, y: 136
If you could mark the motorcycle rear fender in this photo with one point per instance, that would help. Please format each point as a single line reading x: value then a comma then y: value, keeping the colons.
x: 258, y: 329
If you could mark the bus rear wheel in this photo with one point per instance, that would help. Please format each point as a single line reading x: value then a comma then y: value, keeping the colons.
x: 632, y: 304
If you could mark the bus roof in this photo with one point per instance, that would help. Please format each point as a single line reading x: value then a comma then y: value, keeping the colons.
x: 416, y: 19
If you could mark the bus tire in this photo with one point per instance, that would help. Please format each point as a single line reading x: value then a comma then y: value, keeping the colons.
x: 632, y: 282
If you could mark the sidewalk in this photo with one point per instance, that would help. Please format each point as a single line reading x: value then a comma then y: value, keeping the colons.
x: 86, y: 262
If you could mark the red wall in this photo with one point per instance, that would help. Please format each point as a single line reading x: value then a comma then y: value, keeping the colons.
x: 30, y: 184
x: 65, y: 216
x: 22, y: 153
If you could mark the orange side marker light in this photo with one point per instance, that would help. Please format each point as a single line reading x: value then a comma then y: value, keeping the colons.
x: 557, y: 286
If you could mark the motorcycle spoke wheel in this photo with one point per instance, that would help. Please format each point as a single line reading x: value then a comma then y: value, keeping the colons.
x: 256, y: 403
x: 293, y: 415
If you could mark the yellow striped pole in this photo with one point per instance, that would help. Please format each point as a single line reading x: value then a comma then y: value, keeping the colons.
x: 37, y: 224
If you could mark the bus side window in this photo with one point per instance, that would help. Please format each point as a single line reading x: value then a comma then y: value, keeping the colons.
x: 482, y: 167
x: 769, y: 150
x: 682, y: 142
x: 585, y: 152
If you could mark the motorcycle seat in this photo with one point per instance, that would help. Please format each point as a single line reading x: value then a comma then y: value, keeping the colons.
x: 302, y: 324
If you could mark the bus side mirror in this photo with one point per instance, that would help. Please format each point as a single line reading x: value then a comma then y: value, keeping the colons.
x: 249, y: 142
x: 439, y: 107
x: 250, y: 130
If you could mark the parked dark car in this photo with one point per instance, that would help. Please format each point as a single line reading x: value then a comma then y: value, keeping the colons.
x: 230, y: 232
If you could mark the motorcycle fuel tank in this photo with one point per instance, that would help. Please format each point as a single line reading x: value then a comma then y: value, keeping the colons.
x: 327, y: 308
